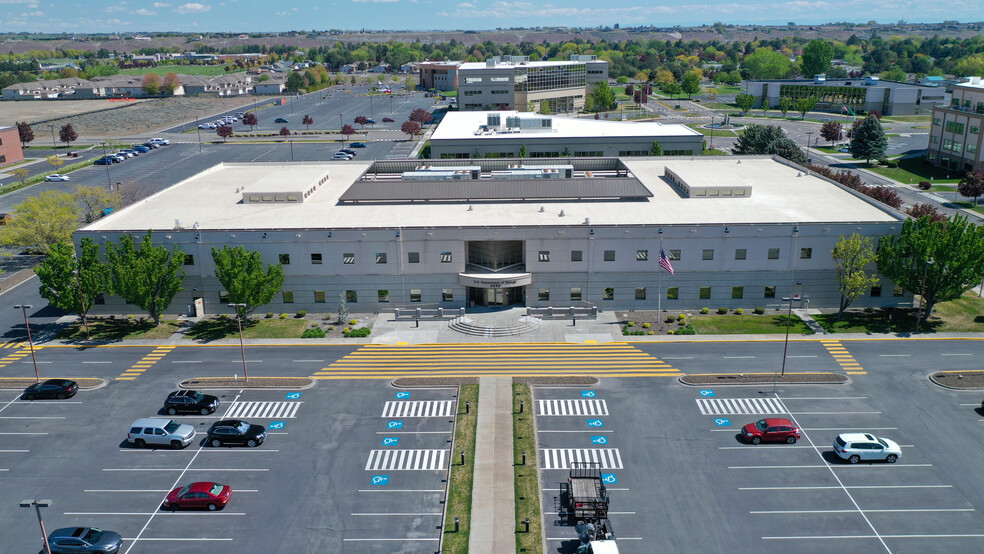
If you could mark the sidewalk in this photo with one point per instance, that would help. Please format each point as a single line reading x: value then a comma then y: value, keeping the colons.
x: 493, y: 525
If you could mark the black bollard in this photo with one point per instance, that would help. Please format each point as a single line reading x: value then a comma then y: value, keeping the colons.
x: 524, y: 457
x: 455, y: 525
x: 417, y: 321
x: 526, y: 522
x: 462, y: 457
x: 467, y: 407
x: 521, y: 404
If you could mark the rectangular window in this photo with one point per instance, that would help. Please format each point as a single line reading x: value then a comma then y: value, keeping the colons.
x: 288, y: 297
x: 319, y: 297
x: 609, y: 294
x: 773, y: 253
x: 447, y: 295
x: 413, y: 257
x: 315, y: 258
x: 382, y: 295
x: 674, y: 255
x: 806, y: 253
x: 544, y: 255
x: 609, y: 255
x: 707, y: 254
x: 770, y: 292
x: 705, y: 292
x: 575, y: 294
x: 640, y: 293
x: 351, y: 296
x: 975, y: 129
x: 971, y: 148
x: 897, y: 290
x: 189, y: 259
x: 445, y: 257
x: 737, y: 292
x: 642, y: 255
x: 576, y: 255
x: 348, y: 258
x: 673, y: 293
x: 380, y: 257
x: 223, y: 297
x: 100, y: 298
x: 934, y: 139
x: 936, y: 121
x: 876, y: 291
x: 740, y: 253
x: 543, y: 295
x: 284, y: 259
x: 415, y: 295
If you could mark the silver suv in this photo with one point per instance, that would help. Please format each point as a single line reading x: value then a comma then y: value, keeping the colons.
x: 158, y: 431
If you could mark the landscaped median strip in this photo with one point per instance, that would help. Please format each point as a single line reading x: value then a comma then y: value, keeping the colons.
x: 527, y: 478
x: 460, y: 479
x: 24, y: 382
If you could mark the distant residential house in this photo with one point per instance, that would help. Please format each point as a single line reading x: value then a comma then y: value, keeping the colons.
x: 380, y: 68
x: 348, y: 68
x: 279, y: 67
x: 49, y: 89
x: 152, y: 58
x: 932, y: 80
x: 300, y: 65
x: 194, y: 85
x: 274, y: 85
x: 58, y: 66
x: 409, y: 67
x: 233, y: 84
x: 119, y: 86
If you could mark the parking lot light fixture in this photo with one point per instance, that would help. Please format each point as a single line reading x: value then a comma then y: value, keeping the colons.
x: 23, y: 308
x: 785, y: 347
x: 37, y: 505
x: 242, y: 345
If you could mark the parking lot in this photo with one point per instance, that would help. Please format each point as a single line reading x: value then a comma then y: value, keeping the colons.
x: 681, y: 478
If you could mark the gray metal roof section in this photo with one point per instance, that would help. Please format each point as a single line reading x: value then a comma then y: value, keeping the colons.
x: 622, y: 188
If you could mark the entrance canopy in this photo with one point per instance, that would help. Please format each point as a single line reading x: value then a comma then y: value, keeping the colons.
x: 495, y: 280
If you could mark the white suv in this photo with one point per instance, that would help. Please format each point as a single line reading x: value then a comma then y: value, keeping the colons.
x: 148, y: 431
x: 855, y: 447
x: 163, y: 141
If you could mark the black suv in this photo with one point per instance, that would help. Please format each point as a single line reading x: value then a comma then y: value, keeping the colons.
x: 190, y: 401
x: 235, y: 431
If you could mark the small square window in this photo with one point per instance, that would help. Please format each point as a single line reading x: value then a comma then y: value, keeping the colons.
x: 382, y: 295
x: 609, y: 294
x: 445, y: 257
x: 288, y: 297
x: 223, y: 297
x: 806, y: 253
x: 642, y: 255
x: 640, y: 293
x: 609, y: 255
x: 740, y: 253
x: 673, y: 293
x: 773, y: 253
x: 284, y: 259
x: 876, y: 291
x: 100, y: 298
x: 380, y: 257
x: 447, y: 295
x: 351, y: 296
x: 707, y: 254
x: 189, y: 259
x: 575, y: 294
x: 770, y: 292
x: 576, y: 255
x: 319, y: 297
x: 543, y: 295
x: 674, y: 255
x: 413, y: 257
x: 705, y: 293
x: 348, y: 258
x: 737, y: 292
x: 415, y: 295
x: 316, y: 258
x: 897, y: 290
x: 544, y: 255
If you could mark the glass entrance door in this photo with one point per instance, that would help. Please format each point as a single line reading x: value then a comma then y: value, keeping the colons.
x: 494, y: 297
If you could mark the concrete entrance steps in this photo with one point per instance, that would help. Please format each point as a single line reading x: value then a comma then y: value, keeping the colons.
x: 481, y: 327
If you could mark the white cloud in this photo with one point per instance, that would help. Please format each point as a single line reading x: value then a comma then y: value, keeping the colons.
x: 376, y: 1
x: 116, y: 22
x: 465, y: 5
x: 33, y: 14
x: 161, y: 5
x: 18, y: 1
x: 192, y: 7
x: 116, y: 9
x: 143, y: 11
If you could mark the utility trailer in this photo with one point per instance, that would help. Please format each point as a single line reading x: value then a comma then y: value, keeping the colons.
x: 585, y: 497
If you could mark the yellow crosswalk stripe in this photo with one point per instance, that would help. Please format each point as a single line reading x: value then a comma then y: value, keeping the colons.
x: 139, y: 367
x: 843, y: 357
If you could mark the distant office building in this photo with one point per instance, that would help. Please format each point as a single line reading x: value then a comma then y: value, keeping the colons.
x: 863, y: 95
x: 955, y: 138
x: 438, y: 75
x: 10, y: 146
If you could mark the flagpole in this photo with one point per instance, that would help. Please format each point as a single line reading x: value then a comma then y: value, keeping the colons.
x: 659, y: 284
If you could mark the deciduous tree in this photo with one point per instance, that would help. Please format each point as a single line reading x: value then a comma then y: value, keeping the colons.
x: 919, y: 210
x: 604, y: 96
x: 72, y: 283
x: 766, y: 63
x: 832, y: 131
x: 410, y: 127
x: 816, y: 59
x: 93, y: 200
x: 853, y: 254
x: 307, y: 121
x: 284, y: 132
x: 224, y: 131
x: 803, y: 105
x: 21, y: 173
x: 690, y: 83
x: 41, y: 221
x: 785, y: 104
x: 148, y: 277
x: 295, y: 82
x: 868, y: 140
x: 151, y: 84
x: 25, y: 132
x: 421, y: 116
x: 250, y: 119
x: 171, y: 83
x: 768, y: 139
x: 671, y: 89
x: 67, y: 134
x: 243, y: 276
x: 361, y: 120
x: 972, y: 185
x: 55, y: 161
x: 348, y: 131
x: 744, y: 102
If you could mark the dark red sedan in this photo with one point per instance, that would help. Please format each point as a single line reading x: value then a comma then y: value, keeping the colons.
x: 199, y: 496
x: 771, y: 429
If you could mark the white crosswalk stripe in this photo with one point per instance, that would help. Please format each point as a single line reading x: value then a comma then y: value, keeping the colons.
x: 739, y: 406
x: 407, y: 460
x: 263, y: 410
x: 419, y: 408
x: 592, y: 407
x: 561, y: 458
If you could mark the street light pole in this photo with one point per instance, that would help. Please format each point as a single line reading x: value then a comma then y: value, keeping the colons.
x: 371, y: 116
x: 37, y: 505
x: 109, y: 181
x: 199, y: 129
x: 712, y: 132
x: 785, y: 347
x: 922, y: 295
x: 809, y: 136
x: 23, y: 308
x: 291, y: 149
x: 242, y: 345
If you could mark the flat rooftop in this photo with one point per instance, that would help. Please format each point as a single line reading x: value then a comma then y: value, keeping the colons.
x: 781, y: 194
x: 463, y: 125
x: 504, y: 64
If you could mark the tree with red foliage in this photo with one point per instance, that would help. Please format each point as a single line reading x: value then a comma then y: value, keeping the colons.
x: 224, y: 131
x: 67, y: 134
x: 307, y: 121
x: 410, y: 127
x: 250, y: 119
x: 832, y: 131
x: 348, y: 130
x: 920, y: 210
x: 284, y: 131
x: 421, y: 116
x: 972, y: 185
x: 25, y: 132
x: 361, y: 120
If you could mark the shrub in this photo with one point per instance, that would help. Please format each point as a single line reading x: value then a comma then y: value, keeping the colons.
x: 670, y: 319
x: 331, y: 327
x: 221, y: 316
x: 313, y: 333
x: 130, y: 317
x: 627, y: 330
x: 891, y: 163
x: 722, y: 310
x: 651, y: 333
x: 360, y: 332
x: 630, y: 324
x: 759, y: 310
x: 646, y: 325
x: 671, y: 332
x: 112, y: 316
x: 269, y: 315
x: 739, y: 311
x: 681, y: 317
x: 300, y: 314
x: 283, y: 316
x: 705, y: 310
x: 688, y: 330
x: 925, y: 185
x: 353, y: 321
x: 869, y: 310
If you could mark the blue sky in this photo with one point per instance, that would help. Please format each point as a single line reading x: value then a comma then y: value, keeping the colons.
x: 285, y: 15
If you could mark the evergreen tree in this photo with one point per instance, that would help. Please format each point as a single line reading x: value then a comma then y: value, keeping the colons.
x: 868, y: 140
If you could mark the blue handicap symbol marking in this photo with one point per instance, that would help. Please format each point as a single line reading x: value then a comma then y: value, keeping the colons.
x: 609, y: 478
x: 394, y: 425
x: 293, y: 395
x: 402, y: 395
x: 598, y: 439
x: 588, y: 394
x: 722, y: 422
x: 380, y: 479
x: 706, y: 392
x: 276, y: 425
x: 596, y: 423
x: 391, y: 441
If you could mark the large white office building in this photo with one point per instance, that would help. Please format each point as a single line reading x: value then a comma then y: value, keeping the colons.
x: 740, y: 232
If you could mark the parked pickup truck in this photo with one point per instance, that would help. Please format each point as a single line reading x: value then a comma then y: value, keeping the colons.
x: 585, y: 496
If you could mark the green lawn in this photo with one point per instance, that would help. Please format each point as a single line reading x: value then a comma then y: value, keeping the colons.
x: 178, y: 69
x: 747, y: 324
x: 970, y: 205
x: 710, y: 132
x: 462, y: 476
x: 943, y: 188
x: 962, y: 315
x: 716, y: 152
x: 907, y: 118
x: 914, y: 170
x: 105, y: 329
x: 527, y: 482
x: 214, y: 329
x: 725, y: 89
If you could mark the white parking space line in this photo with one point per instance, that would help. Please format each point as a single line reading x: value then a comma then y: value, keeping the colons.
x: 134, y: 539
x: 855, y: 511
x: 54, y: 403
x: 149, y: 490
x: 205, y: 451
x: 846, y: 465
x: 824, y: 397
x: 448, y: 432
x: 398, y: 514
x: 807, y: 488
x: 162, y: 513
x: 973, y: 404
x: 894, y: 355
x: 398, y: 540
x: 843, y: 429
x: 179, y: 469
x: 783, y: 447
x: 15, y: 450
x: 22, y: 433
x: 955, y: 354
x: 578, y: 431
x: 833, y: 413
x: 32, y: 417
x: 801, y: 537
x: 563, y: 539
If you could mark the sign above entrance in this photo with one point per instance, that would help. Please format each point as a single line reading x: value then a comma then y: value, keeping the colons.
x: 494, y: 280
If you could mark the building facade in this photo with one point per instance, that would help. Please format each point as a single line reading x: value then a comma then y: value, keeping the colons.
x: 11, y: 150
x: 441, y: 76
x: 862, y: 95
x: 955, y: 137
x: 739, y: 232
x: 514, y: 82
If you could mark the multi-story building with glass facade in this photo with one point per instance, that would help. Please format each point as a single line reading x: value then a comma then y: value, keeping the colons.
x: 862, y: 95
x: 955, y: 139
x: 514, y: 82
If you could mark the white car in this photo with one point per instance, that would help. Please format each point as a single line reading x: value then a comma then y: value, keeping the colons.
x: 163, y: 141
x: 207, y: 126
x: 341, y: 156
x: 125, y: 154
x: 56, y: 177
x: 857, y: 447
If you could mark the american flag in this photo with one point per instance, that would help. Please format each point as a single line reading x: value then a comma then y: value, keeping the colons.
x: 664, y: 262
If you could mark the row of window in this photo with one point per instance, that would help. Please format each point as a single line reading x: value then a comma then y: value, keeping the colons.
x: 352, y: 296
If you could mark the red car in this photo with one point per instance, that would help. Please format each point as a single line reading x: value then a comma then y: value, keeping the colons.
x: 771, y: 429
x: 198, y: 496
